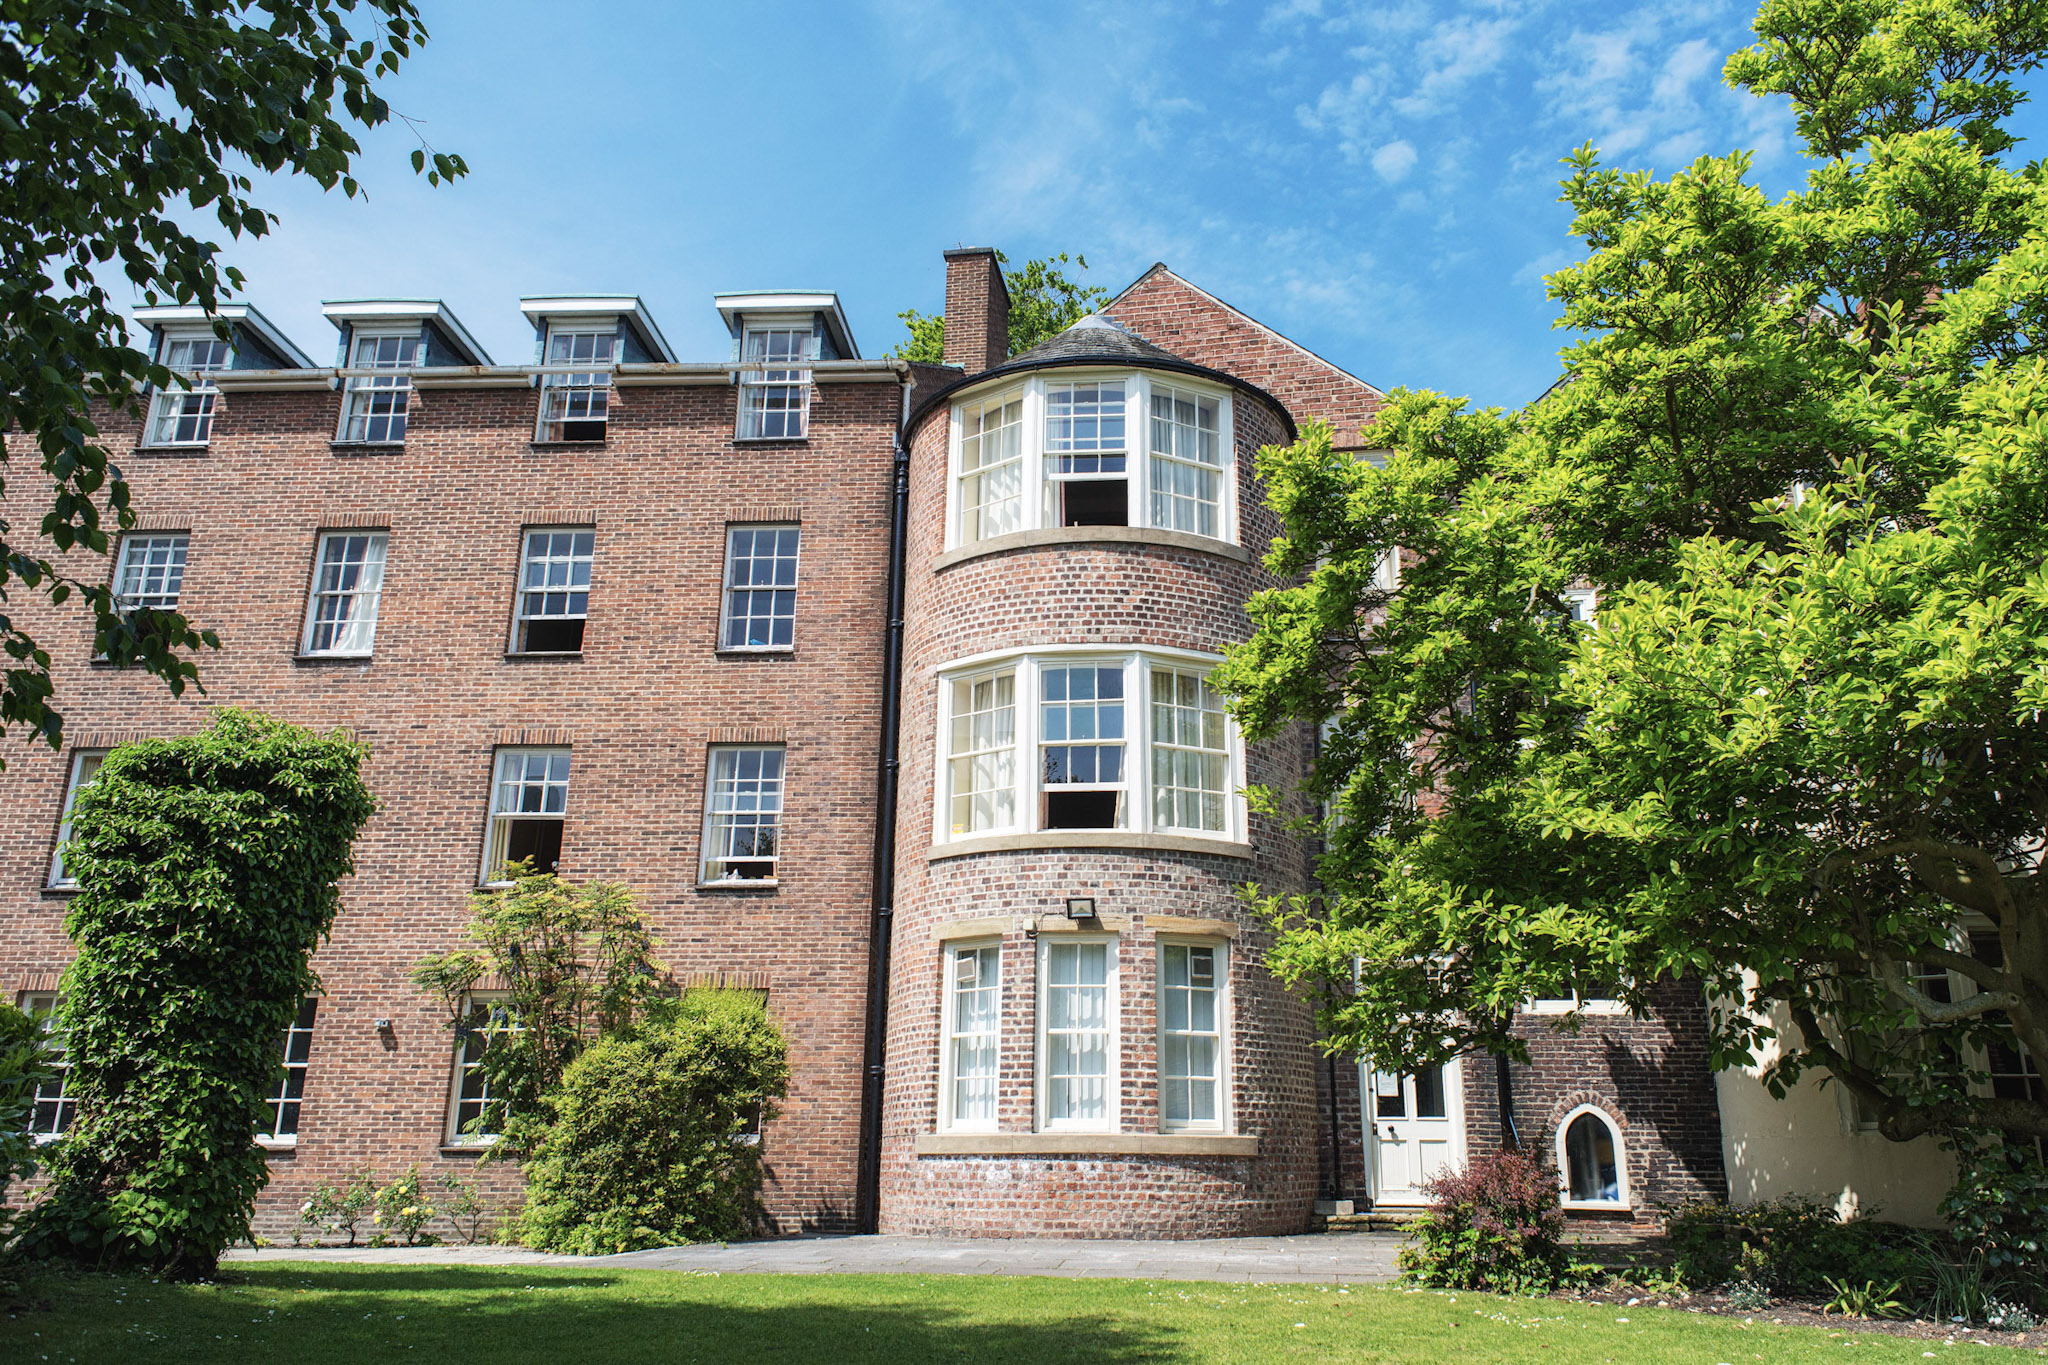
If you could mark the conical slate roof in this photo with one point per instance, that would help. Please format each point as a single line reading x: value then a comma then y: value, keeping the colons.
x: 1093, y: 338
x: 1097, y: 340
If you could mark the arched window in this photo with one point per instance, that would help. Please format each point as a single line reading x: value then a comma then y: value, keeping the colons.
x: 1590, y: 1159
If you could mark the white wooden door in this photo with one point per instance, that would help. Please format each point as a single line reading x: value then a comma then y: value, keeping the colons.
x: 1415, y: 1126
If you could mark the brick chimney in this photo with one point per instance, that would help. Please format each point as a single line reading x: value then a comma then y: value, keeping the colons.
x: 977, y: 310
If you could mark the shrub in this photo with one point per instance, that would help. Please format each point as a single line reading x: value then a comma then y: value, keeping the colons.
x: 208, y: 869
x: 402, y: 1208
x: 1792, y: 1245
x: 1497, y: 1225
x: 339, y: 1208
x: 463, y: 1207
x: 647, y: 1147
x: 1998, y: 1211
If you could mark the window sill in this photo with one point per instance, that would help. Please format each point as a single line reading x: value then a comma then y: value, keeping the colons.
x: 62, y: 892
x: 1575, y: 1206
x: 771, y: 440
x: 1092, y: 535
x: 1086, y: 1144
x: 343, y: 446
x: 1089, y: 838
x: 513, y: 655
x: 278, y: 1146
x: 757, y: 652
x: 316, y: 660
x: 467, y: 1148
x: 176, y: 448
x: 566, y: 445
x: 749, y: 884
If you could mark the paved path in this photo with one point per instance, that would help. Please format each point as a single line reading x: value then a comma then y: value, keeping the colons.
x: 1331, y: 1258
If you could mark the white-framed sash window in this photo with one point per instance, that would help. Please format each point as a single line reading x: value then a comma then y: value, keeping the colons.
x: 760, y: 588
x: 775, y: 393
x: 554, y: 589
x: 1193, y: 1035
x: 85, y: 766
x: 487, y: 1017
x: 743, y: 814
x: 1076, y: 448
x: 576, y: 386
x: 280, y: 1126
x: 182, y: 416
x: 529, y: 806
x: 152, y: 571
x: 53, y: 1106
x: 1078, y: 1072
x: 1073, y: 737
x: 375, y: 410
x: 973, y: 1025
x: 348, y: 586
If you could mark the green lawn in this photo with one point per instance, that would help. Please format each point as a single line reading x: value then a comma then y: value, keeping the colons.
x: 305, y: 1314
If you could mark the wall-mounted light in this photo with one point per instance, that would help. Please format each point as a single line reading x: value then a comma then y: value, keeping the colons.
x: 1080, y: 907
x: 383, y: 1026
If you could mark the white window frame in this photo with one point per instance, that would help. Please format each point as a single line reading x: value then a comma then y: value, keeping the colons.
x: 299, y: 1030
x: 42, y: 1005
x: 570, y: 378
x: 949, y: 1035
x: 522, y: 615
x: 365, y: 384
x: 729, y: 590
x: 1583, y: 602
x: 712, y: 815
x: 765, y: 375
x: 1029, y: 786
x: 1046, y: 790
x: 1564, y: 1174
x: 1037, y: 462
x: 498, y: 829
x: 1575, y: 1003
x: 136, y: 550
x: 1112, y: 1100
x: 452, y: 1135
x: 365, y: 597
x: 76, y: 779
x: 1224, y: 995
x: 198, y: 404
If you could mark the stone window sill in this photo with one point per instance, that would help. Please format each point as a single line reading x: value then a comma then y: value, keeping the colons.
x: 742, y: 652
x: 1086, y: 1144
x: 332, y: 660
x: 513, y: 655
x: 1129, y: 840
x: 366, y: 447
x: 566, y: 445
x: 1092, y: 535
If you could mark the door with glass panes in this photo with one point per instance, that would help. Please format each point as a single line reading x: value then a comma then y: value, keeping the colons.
x: 1415, y: 1129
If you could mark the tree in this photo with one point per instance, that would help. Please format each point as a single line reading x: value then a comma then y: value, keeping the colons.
x: 208, y: 871
x: 1798, y: 761
x: 112, y: 118
x: 1043, y: 301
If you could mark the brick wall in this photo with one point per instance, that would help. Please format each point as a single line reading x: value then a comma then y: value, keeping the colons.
x: 637, y: 710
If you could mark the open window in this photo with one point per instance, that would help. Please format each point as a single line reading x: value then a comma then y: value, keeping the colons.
x: 1081, y: 746
x: 743, y: 815
x: 1087, y: 479
x: 183, y: 416
x: 576, y: 387
x: 380, y: 392
x: 530, y: 802
x: 554, y: 590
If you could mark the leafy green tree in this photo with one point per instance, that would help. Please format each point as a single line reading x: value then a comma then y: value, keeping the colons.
x: 112, y: 119
x: 1799, y: 760
x: 1043, y: 301
x: 576, y: 963
x: 209, y: 870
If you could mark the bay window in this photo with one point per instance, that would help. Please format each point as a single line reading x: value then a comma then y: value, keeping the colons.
x: 1076, y: 451
x: 1055, y: 741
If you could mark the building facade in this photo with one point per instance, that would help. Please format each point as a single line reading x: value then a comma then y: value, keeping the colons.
x: 883, y: 684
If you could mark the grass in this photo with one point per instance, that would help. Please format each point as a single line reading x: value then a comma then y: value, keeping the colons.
x: 309, y: 1313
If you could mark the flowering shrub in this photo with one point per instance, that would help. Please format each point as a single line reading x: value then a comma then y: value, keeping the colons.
x: 464, y: 1208
x: 1496, y: 1224
x: 338, y: 1208
x: 403, y: 1210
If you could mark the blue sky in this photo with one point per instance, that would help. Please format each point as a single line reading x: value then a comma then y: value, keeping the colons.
x: 1376, y: 181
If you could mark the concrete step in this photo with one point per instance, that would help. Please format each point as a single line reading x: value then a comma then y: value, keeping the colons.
x: 1391, y: 1220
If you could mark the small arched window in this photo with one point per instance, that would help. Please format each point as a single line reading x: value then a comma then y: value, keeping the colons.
x: 1589, y: 1156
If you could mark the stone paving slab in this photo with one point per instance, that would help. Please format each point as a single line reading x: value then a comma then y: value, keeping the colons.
x: 1341, y: 1258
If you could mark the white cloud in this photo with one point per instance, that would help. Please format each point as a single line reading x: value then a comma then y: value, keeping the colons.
x: 1394, y: 161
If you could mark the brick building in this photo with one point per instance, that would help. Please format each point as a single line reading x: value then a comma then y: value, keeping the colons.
x: 882, y: 683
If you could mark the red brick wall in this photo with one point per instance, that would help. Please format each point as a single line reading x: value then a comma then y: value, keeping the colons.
x: 1088, y: 593
x: 637, y: 710
x: 1167, y: 311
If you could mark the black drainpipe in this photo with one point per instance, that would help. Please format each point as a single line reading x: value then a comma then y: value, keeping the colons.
x: 868, y: 1184
x: 1504, y: 1078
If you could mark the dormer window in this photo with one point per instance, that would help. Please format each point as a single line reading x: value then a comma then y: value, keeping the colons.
x: 775, y: 398
x: 377, y: 401
x: 576, y: 388
x: 184, y: 417
x: 1122, y: 450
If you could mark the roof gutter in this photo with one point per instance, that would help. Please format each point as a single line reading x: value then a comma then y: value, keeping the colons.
x: 868, y: 1179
